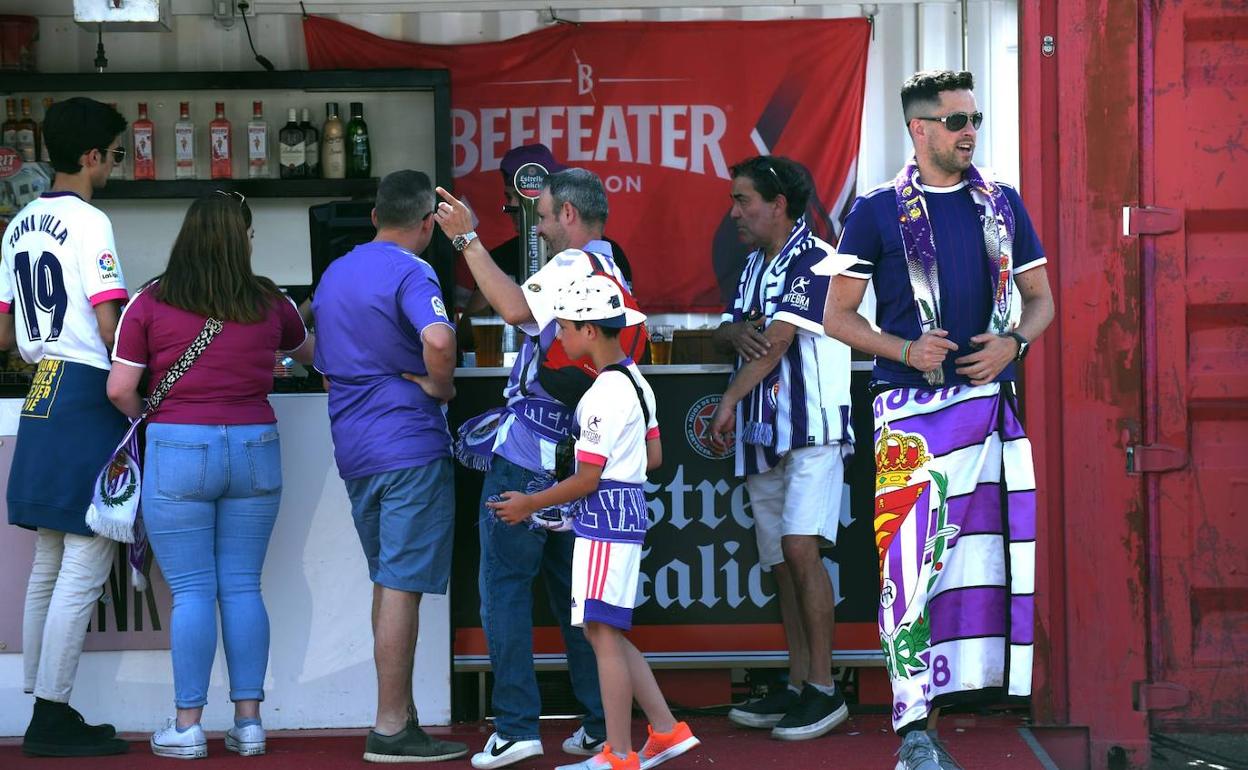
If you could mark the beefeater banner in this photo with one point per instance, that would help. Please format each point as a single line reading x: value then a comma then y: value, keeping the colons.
x: 660, y: 111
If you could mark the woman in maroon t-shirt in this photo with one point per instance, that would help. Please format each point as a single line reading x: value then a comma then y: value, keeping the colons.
x: 212, y: 476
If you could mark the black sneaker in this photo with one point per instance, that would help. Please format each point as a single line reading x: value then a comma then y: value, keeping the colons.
x: 765, y: 712
x: 56, y: 730
x: 411, y: 744
x: 100, y: 731
x: 815, y: 714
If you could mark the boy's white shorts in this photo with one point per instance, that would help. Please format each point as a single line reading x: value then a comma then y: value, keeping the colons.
x: 604, y: 582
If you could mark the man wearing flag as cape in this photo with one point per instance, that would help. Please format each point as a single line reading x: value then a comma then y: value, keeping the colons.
x: 946, y: 246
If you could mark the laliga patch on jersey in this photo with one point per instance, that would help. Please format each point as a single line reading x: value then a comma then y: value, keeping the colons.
x: 438, y: 308
x: 107, y: 264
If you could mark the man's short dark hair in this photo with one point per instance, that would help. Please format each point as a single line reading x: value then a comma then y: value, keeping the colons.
x: 584, y: 190
x: 610, y: 332
x: 404, y: 199
x: 920, y: 94
x: 78, y: 125
x: 775, y: 175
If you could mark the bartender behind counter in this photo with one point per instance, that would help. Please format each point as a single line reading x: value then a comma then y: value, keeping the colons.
x: 507, y: 255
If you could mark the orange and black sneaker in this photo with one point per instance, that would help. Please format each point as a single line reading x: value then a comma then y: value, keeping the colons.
x: 661, y: 747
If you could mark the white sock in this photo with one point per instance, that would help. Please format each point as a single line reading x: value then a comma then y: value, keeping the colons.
x: 826, y: 689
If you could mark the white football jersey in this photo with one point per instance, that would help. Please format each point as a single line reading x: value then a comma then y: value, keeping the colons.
x: 57, y: 262
x: 614, y: 430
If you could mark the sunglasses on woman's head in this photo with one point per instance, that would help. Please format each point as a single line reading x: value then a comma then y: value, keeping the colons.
x: 233, y: 194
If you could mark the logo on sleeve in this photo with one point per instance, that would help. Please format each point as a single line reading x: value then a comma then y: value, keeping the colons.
x: 438, y: 308
x: 107, y: 264
x: 797, y: 294
x: 591, y: 433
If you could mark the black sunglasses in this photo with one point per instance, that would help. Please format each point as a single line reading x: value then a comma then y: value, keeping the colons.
x: 957, y: 121
x: 779, y: 183
x: 119, y: 153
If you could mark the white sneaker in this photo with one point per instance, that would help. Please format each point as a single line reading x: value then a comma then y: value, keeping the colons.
x: 596, y: 762
x: 582, y: 744
x: 245, y: 741
x: 189, y: 744
x: 500, y: 753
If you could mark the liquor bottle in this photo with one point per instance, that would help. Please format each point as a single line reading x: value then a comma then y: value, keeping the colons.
x: 10, y: 124
x: 291, y: 152
x: 143, y: 140
x: 219, y: 143
x: 43, y: 145
x: 333, y: 152
x: 119, y: 169
x: 184, y: 144
x: 257, y: 143
x: 27, y: 131
x: 359, y: 156
x: 311, y: 146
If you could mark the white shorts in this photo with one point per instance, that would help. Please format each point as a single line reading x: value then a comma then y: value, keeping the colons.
x: 802, y: 495
x: 604, y: 582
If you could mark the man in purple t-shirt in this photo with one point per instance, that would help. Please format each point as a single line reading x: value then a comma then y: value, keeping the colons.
x: 387, y: 350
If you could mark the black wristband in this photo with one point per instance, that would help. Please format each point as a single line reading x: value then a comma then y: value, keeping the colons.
x: 1023, y: 345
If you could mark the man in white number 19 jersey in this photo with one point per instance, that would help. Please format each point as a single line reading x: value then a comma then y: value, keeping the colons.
x: 61, y: 291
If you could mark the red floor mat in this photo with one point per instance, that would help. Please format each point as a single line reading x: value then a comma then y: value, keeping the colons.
x: 978, y: 743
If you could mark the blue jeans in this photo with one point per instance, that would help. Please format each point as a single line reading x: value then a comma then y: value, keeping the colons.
x: 210, y: 498
x: 510, y: 558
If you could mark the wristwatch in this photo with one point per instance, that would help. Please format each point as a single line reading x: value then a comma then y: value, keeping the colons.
x: 460, y: 242
x: 1023, y: 345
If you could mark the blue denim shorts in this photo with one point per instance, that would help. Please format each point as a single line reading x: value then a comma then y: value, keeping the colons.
x: 406, y: 522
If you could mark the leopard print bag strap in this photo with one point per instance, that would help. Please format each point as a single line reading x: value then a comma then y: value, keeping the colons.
x: 212, y: 327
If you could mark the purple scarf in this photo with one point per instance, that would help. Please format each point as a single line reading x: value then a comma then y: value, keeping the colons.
x: 920, y: 246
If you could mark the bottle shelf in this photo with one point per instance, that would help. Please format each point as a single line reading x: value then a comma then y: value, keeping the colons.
x: 122, y: 189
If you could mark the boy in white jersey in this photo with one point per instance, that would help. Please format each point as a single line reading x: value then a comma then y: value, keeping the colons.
x: 61, y: 290
x: 618, y: 443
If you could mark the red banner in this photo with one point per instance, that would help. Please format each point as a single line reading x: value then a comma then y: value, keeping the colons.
x: 660, y: 111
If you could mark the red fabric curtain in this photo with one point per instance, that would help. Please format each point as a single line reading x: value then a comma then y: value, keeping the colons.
x: 660, y: 111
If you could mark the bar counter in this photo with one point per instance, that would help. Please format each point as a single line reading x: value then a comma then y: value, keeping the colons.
x: 703, y: 600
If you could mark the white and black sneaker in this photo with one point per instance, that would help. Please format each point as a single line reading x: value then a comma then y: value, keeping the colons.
x: 815, y: 714
x: 765, y: 712
x: 499, y: 752
x: 582, y: 744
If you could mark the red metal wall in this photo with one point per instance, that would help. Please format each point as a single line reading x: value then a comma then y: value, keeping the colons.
x: 1142, y: 591
x: 1196, y: 264
x: 1080, y: 141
